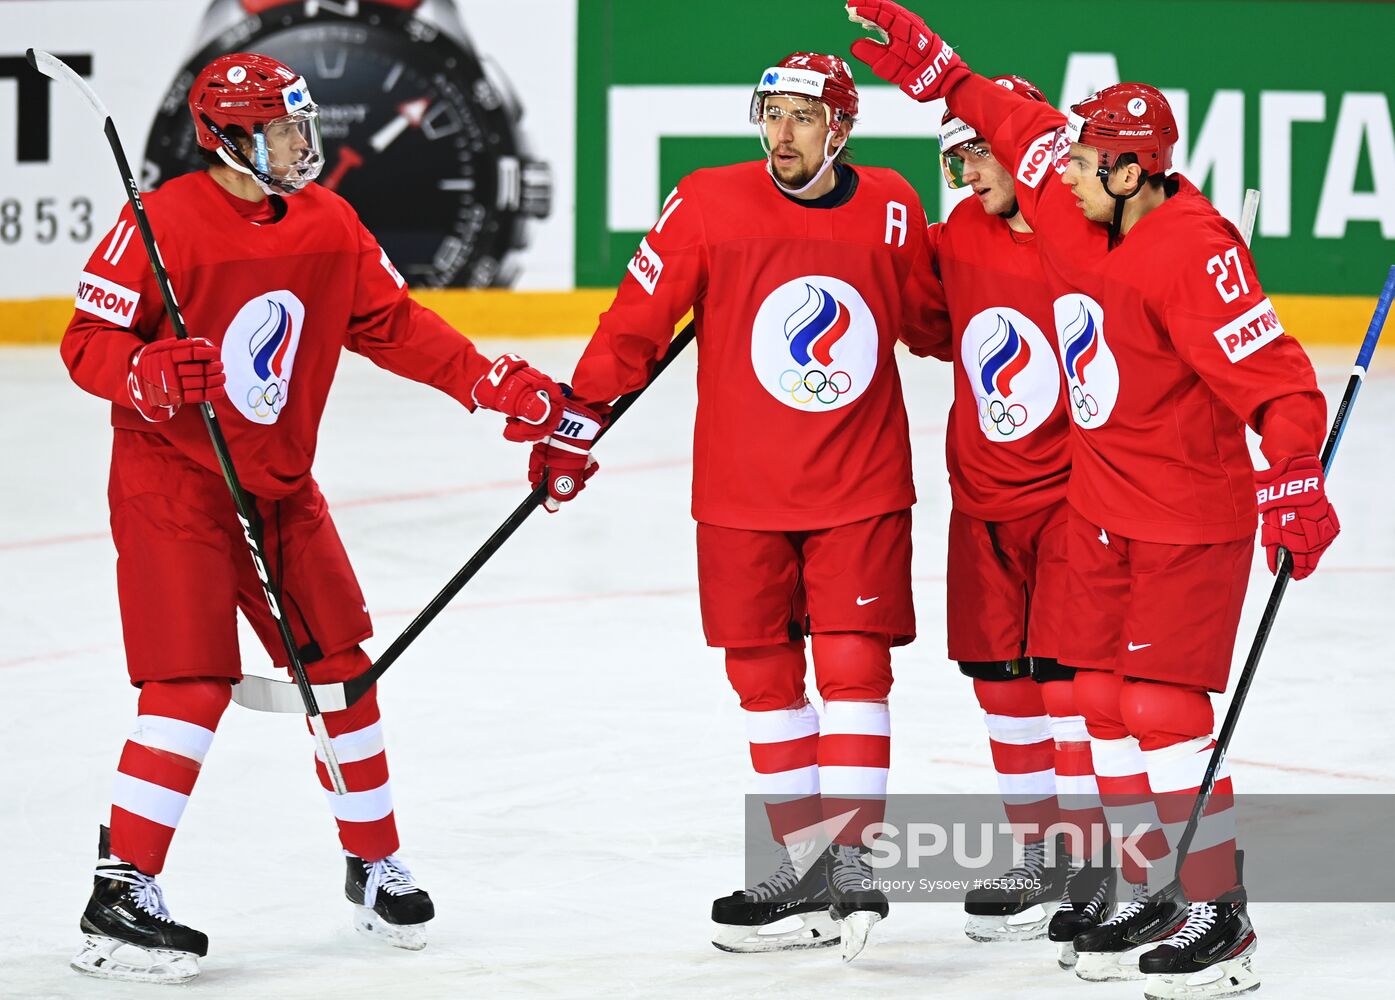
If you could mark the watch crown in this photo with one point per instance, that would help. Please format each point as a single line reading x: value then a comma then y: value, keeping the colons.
x: 537, y: 189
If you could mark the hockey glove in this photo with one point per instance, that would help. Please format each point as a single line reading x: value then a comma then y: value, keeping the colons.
x: 908, y: 54
x: 1293, y: 505
x: 528, y: 397
x: 564, y: 458
x: 166, y: 374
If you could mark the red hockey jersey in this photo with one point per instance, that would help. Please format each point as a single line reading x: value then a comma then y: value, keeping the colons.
x: 1168, y: 345
x: 280, y: 300
x: 800, y: 421
x: 1007, y: 445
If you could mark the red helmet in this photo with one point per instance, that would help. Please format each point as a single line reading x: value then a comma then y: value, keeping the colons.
x: 1126, y: 118
x: 813, y: 75
x: 252, y: 92
x: 955, y: 131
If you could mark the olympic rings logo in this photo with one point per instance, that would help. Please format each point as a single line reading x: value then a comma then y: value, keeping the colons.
x: 1086, y: 408
x: 815, y: 384
x: 267, y: 400
x: 1004, y: 419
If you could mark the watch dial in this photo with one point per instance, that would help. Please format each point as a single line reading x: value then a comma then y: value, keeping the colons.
x: 416, y: 138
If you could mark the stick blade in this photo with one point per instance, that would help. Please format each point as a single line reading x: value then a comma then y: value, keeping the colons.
x: 265, y: 694
x: 56, y: 69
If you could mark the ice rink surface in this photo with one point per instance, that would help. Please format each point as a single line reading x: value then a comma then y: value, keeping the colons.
x: 567, y: 758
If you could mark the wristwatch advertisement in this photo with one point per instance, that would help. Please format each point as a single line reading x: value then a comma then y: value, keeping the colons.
x: 422, y: 131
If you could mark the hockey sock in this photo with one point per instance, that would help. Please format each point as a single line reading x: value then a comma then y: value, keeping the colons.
x: 367, y: 826
x: 1019, y: 740
x: 1121, y: 773
x: 783, y: 730
x: 174, y: 728
x: 1173, y: 725
x: 1077, y: 792
x: 854, y: 752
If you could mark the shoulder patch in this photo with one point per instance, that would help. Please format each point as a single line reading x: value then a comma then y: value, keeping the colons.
x: 1247, y: 333
x: 1041, y: 156
x: 107, y: 300
x: 646, y: 266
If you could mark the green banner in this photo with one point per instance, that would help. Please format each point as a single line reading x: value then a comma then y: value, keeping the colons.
x: 1291, y: 97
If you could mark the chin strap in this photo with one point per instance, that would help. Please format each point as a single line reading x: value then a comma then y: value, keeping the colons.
x: 1117, y: 223
x: 233, y: 156
x: 830, y: 153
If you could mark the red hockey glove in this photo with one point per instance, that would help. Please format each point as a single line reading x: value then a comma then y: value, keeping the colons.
x: 522, y: 393
x: 909, y: 54
x: 1293, y: 504
x: 565, y: 456
x: 166, y: 374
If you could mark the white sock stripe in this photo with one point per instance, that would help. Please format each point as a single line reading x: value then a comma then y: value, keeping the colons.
x: 362, y: 807
x: 1076, y: 784
x: 782, y: 725
x: 1018, y: 731
x: 852, y: 781
x: 1180, y: 766
x: 361, y: 744
x: 1117, y: 758
x: 857, y: 718
x: 800, y: 781
x: 1032, y: 786
x: 1218, y: 828
x: 1069, y: 729
x: 1142, y: 814
x: 146, y: 799
x: 159, y: 732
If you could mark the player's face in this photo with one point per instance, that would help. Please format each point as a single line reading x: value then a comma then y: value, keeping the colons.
x: 989, y: 179
x: 1091, y: 198
x: 796, y: 129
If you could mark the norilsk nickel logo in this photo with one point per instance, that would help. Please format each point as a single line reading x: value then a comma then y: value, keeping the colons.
x: 1012, y: 369
x: 1092, y: 376
x: 259, y: 352
x: 814, y: 344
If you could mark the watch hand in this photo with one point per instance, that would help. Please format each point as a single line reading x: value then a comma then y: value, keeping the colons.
x: 348, y: 159
x: 409, y: 115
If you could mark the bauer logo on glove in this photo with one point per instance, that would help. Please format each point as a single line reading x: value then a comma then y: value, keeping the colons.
x: 564, y: 459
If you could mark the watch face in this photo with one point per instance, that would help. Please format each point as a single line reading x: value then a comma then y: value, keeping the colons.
x: 416, y: 137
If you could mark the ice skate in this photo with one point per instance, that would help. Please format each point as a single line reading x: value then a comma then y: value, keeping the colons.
x: 1209, y: 957
x: 128, y: 934
x: 1087, y: 902
x: 857, y: 906
x: 1018, y: 905
x: 388, y: 904
x: 1110, y: 952
x: 786, y: 912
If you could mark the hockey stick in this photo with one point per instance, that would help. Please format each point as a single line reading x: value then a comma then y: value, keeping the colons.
x: 1285, y: 571
x: 265, y: 694
x: 54, y: 68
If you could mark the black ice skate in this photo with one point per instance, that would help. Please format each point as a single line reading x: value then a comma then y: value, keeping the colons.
x: 1209, y: 957
x: 1017, y: 905
x: 786, y: 912
x: 857, y: 905
x: 389, y: 905
x: 1087, y: 902
x: 127, y: 930
x: 1110, y: 952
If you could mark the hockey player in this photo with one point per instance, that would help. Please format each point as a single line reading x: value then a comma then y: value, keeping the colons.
x: 802, y: 272
x: 1170, y: 349
x: 275, y: 276
x: 1008, y: 451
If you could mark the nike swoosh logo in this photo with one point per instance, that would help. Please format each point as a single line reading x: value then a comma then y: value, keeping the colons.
x: 1135, y: 648
x: 861, y: 602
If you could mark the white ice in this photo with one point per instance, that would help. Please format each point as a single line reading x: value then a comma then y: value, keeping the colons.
x: 567, y: 757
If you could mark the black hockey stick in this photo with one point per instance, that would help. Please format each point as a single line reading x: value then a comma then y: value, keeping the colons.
x: 54, y: 68
x: 265, y: 694
x: 1285, y: 572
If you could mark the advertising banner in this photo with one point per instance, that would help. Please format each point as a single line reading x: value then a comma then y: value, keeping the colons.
x: 1291, y: 98
x: 425, y: 113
